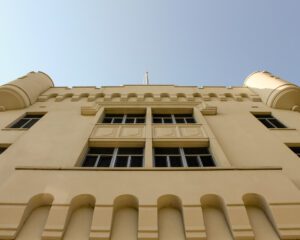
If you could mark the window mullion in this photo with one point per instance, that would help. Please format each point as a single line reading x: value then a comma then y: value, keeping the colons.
x: 97, y: 161
x: 124, y: 118
x: 200, y: 161
x: 173, y: 119
x: 183, y: 159
x: 129, y: 161
x: 168, y: 161
x: 114, y: 157
x: 28, y: 120
x: 268, y: 119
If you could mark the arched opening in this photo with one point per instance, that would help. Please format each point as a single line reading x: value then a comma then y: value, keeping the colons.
x: 165, y: 97
x: 216, y: 222
x: 148, y: 97
x: 79, y: 218
x: 125, y: 218
x: 35, y: 217
x: 260, y: 217
x: 170, y: 219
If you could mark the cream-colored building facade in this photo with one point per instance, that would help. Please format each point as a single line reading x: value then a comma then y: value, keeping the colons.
x: 208, y: 162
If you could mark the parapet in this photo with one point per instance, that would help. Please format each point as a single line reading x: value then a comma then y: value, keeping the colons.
x: 24, y: 91
x: 274, y: 91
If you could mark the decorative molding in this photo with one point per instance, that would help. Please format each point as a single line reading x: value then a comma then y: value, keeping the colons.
x: 208, y: 110
x: 90, y: 110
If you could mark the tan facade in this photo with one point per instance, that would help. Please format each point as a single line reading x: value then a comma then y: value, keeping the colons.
x: 252, y: 192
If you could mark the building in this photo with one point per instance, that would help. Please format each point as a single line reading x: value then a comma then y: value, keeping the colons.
x: 150, y: 161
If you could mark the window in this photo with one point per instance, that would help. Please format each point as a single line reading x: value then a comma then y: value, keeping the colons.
x: 269, y: 121
x: 296, y: 150
x: 114, y: 157
x: 183, y: 157
x: 27, y: 121
x: 124, y: 118
x: 173, y: 118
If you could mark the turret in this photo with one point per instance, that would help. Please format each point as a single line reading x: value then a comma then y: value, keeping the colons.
x: 24, y: 91
x: 274, y: 91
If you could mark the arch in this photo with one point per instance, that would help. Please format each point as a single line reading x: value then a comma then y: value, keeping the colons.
x: 215, y: 217
x: 99, y: 96
x: 228, y: 96
x: 125, y: 218
x: 196, y: 95
x: 260, y: 217
x: 165, y: 97
x: 84, y: 95
x: 244, y: 95
x: 116, y: 97
x: 132, y: 96
x: 212, y: 95
x: 148, y: 97
x: 35, y: 217
x: 79, y: 217
x: 170, y: 218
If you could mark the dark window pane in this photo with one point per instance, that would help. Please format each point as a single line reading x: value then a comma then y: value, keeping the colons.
x: 89, y: 161
x: 190, y: 120
x: 121, y: 161
x: 140, y: 120
x: 129, y: 151
x: 2, y: 150
x: 135, y: 115
x: 136, y: 161
x: 183, y: 115
x: 107, y: 120
x: 162, y: 115
x: 166, y: 151
x: 175, y: 161
x: 168, y: 120
x: 192, y: 161
x: 104, y: 161
x: 266, y: 123
x: 129, y: 120
x: 30, y: 123
x: 277, y: 123
x: 157, y: 120
x: 295, y: 149
x: 114, y: 115
x: 20, y: 123
x: 207, y: 161
x: 200, y: 150
x: 160, y: 161
x: 117, y: 120
x: 264, y: 116
x: 180, y: 120
x: 101, y: 150
x: 33, y: 116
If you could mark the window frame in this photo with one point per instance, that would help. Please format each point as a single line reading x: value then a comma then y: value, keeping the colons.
x: 266, y: 117
x: 114, y: 155
x: 29, y: 117
x: 173, y: 117
x: 124, y: 118
x: 183, y: 157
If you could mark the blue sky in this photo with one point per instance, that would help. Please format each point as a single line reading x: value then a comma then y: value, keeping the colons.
x: 192, y: 42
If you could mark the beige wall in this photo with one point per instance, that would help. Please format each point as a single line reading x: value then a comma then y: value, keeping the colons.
x: 256, y: 178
